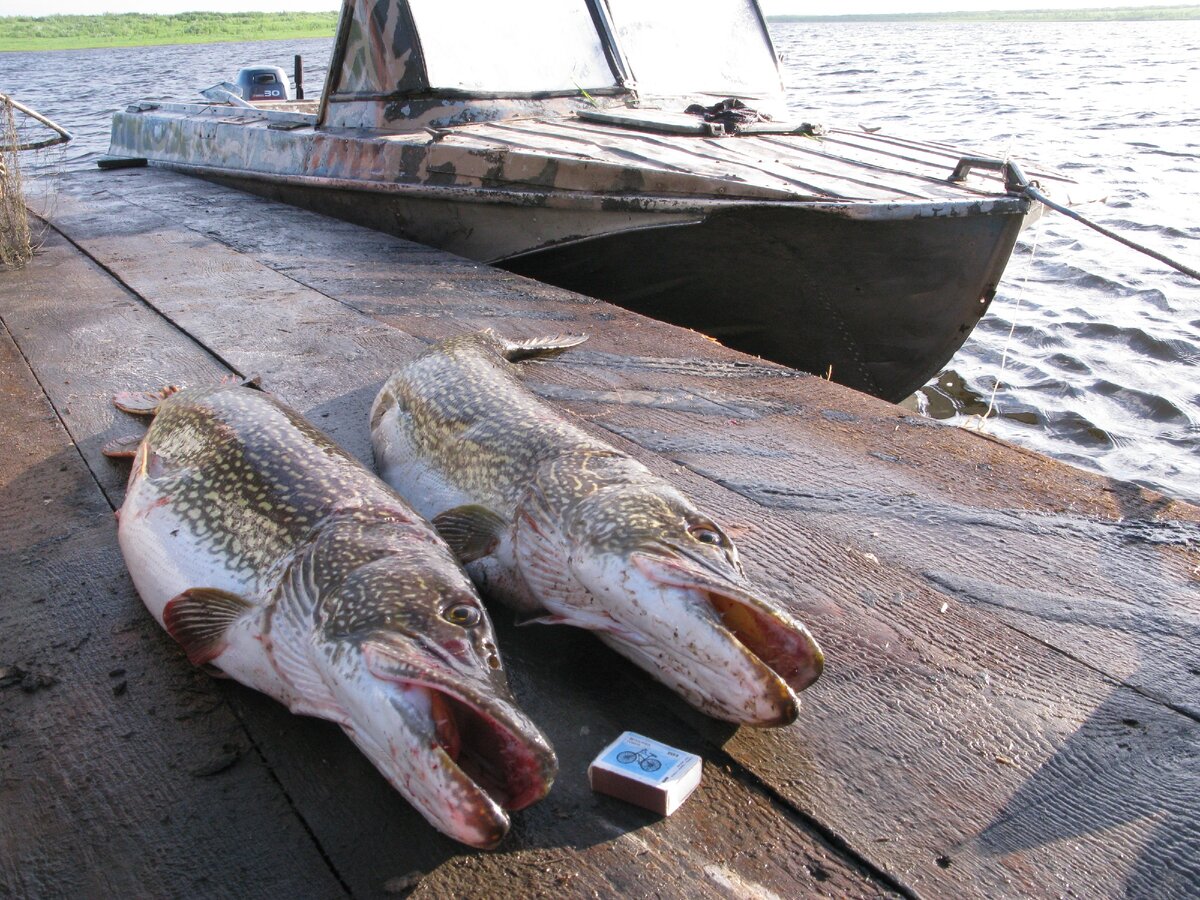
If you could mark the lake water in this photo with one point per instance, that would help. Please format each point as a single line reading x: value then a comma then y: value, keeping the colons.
x: 1090, y: 353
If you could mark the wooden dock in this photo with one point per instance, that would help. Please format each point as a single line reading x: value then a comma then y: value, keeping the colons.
x: 1013, y: 645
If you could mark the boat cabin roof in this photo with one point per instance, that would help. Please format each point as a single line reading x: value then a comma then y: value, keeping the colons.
x: 400, y: 65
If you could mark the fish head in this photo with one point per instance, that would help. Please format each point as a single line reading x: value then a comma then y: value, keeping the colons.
x: 411, y: 657
x: 670, y: 579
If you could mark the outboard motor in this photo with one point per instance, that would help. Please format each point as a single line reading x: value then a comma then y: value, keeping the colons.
x: 264, y: 83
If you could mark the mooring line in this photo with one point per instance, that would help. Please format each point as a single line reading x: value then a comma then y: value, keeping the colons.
x: 1012, y: 327
x: 1031, y: 191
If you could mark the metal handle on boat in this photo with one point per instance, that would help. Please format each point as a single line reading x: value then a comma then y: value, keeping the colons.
x: 63, y: 134
x: 1015, y: 181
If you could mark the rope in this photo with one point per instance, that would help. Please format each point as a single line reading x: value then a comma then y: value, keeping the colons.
x: 991, y: 407
x: 1033, y: 193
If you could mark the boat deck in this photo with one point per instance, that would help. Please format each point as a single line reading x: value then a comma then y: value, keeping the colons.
x: 866, y: 173
x: 1013, y: 646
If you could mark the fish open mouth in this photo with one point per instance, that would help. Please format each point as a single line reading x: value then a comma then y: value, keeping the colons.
x: 487, y: 751
x: 780, y: 642
x: 790, y: 652
x: 471, y: 755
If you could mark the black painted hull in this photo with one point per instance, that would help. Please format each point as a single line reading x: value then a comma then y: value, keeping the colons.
x: 878, y: 302
x: 878, y: 305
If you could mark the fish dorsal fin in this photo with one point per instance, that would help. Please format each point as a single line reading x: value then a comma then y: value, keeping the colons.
x: 472, y: 531
x: 147, y: 403
x: 540, y: 347
x: 200, y: 619
x: 125, y: 447
x: 246, y: 381
x: 544, y: 560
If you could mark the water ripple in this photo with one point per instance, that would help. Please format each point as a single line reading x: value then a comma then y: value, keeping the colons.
x: 1093, y: 350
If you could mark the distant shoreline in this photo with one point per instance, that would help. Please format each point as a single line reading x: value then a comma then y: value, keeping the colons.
x: 1114, y: 14
x: 29, y: 33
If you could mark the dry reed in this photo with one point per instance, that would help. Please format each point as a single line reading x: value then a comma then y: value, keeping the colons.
x: 16, y: 247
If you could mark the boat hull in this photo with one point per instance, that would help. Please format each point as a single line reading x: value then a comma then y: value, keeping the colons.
x: 879, y: 304
x: 864, y: 258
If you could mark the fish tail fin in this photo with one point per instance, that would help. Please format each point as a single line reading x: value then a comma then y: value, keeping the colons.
x: 147, y: 403
x: 539, y: 347
x: 143, y: 403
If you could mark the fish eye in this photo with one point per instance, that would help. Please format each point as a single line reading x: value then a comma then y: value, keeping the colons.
x: 707, y: 535
x: 463, y: 614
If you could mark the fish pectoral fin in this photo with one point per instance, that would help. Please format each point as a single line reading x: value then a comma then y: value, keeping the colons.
x: 541, y: 552
x: 125, y: 447
x: 305, y: 691
x: 591, y: 621
x: 143, y: 403
x: 200, y: 619
x: 542, y: 347
x: 472, y: 531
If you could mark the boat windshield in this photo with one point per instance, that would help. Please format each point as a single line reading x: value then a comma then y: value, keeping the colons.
x: 404, y: 65
x: 496, y: 48
x: 680, y: 47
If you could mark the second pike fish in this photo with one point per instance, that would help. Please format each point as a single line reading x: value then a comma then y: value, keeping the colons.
x: 271, y: 554
x: 566, y: 528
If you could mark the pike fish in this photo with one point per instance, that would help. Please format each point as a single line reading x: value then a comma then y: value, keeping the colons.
x: 567, y: 529
x: 272, y: 555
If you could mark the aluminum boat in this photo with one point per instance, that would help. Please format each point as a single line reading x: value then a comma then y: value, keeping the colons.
x: 639, y: 152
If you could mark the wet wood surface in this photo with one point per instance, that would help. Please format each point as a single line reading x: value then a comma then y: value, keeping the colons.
x: 123, y: 773
x: 1009, y: 703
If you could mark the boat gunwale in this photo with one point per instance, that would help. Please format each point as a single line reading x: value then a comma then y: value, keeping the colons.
x: 863, y: 210
x: 798, y: 190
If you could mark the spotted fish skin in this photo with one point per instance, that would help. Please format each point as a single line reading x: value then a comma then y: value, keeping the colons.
x: 276, y: 557
x: 564, y: 527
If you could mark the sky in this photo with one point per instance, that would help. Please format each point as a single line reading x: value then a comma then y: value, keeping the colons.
x: 770, y: 7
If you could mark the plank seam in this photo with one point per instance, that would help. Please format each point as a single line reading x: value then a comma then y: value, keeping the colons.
x: 100, y: 487
x: 128, y: 287
x: 57, y: 415
x: 1116, y: 682
x: 288, y: 798
x: 217, y: 239
x: 835, y: 840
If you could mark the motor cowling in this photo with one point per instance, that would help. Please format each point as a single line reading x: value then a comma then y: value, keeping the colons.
x: 258, y: 83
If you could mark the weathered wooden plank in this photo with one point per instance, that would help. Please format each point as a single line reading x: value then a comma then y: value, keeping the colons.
x: 1101, y: 570
x: 950, y: 711
x: 905, y: 486
x: 368, y: 832
x: 865, y: 461
x: 937, y: 705
x: 123, y: 772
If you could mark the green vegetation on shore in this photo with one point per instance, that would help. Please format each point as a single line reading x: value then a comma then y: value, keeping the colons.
x: 1115, y: 14
x: 138, y: 30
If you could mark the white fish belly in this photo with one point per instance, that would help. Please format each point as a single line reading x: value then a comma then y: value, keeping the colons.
x: 410, y: 474
x: 165, y: 559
